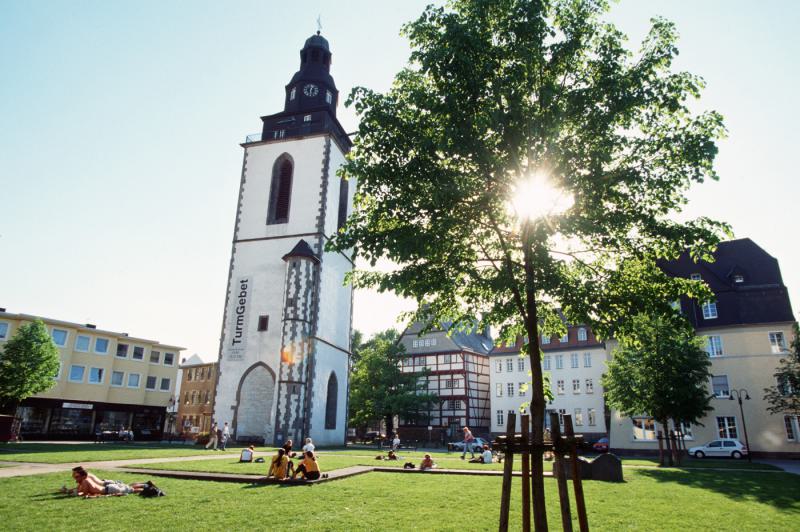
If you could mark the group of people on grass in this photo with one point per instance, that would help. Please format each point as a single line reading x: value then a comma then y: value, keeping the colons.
x: 90, y: 486
x: 218, y: 436
x: 282, y: 467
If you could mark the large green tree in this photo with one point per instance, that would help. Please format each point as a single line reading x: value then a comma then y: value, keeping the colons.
x: 511, y: 102
x: 380, y: 389
x: 784, y: 397
x: 660, y: 369
x: 28, y: 364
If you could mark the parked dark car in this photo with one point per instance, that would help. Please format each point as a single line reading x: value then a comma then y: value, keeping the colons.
x: 373, y: 435
x: 601, y: 445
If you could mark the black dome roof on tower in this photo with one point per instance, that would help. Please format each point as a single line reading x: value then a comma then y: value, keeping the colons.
x: 317, y: 40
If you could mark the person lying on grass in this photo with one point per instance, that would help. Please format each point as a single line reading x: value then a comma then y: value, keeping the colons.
x: 77, y: 473
x: 484, y: 458
x: 280, y: 467
x: 90, y: 488
x: 248, y: 454
x: 308, y: 468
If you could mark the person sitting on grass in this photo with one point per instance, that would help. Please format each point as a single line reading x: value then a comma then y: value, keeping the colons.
x: 248, y: 454
x: 392, y: 456
x: 484, y: 458
x: 280, y: 466
x: 308, y: 468
x: 309, y: 446
x: 427, y: 463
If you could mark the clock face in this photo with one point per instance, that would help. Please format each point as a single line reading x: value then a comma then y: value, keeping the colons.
x: 311, y: 90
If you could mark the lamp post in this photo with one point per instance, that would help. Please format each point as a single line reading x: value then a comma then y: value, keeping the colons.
x: 738, y: 394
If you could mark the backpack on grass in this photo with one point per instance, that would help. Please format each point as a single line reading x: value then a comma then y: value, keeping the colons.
x: 151, y: 490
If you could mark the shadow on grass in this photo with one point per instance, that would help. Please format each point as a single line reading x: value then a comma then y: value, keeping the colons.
x: 781, y: 490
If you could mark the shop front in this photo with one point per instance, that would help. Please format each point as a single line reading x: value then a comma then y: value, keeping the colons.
x: 55, y: 419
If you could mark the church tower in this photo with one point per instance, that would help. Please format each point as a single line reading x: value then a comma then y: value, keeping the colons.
x: 285, y: 344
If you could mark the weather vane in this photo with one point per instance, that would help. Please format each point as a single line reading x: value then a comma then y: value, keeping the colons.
x: 319, y: 24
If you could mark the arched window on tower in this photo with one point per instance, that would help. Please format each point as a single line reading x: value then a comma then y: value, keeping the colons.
x: 343, y: 194
x: 331, y: 402
x: 280, y: 194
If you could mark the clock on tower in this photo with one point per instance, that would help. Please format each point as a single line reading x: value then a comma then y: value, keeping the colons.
x: 285, y: 343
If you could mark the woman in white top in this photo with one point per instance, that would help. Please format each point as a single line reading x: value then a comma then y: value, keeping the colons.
x: 309, y: 446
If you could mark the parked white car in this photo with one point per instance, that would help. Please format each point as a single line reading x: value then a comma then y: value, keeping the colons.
x: 477, y: 445
x: 722, y: 447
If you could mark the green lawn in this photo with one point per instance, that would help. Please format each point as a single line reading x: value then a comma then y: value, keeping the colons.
x: 54, y: 453
x: 330, y: 460
x: 649, y: 500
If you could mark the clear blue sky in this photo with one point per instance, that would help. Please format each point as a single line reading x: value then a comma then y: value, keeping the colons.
x: 119, y: 155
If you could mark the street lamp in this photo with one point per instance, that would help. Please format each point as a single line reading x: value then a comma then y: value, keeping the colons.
x: 738, y: 394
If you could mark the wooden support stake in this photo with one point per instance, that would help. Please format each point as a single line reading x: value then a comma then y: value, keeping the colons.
x: 577, y: 481
x: 561, y: 476
x: 508, y: 471
x: 526, y: 476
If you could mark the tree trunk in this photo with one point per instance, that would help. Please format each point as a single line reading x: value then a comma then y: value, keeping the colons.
x: 665, y: 424
x: 389, y: 420
x: 537, y: 385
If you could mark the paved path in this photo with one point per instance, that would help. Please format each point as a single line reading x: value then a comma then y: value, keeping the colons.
x: 790, y: 466
x: 33, y: 468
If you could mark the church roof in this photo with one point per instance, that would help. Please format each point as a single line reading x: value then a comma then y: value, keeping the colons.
x: 302, y: 250
x: 317, y: 40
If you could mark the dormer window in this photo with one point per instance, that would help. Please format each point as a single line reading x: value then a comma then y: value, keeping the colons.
x: 292, y: 93
x: 695, y: 277
x: 738, y: 278
x: 329, y: 96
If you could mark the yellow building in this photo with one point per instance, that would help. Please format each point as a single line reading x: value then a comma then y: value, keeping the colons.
x: 106, y: 381
x: 748, y: 330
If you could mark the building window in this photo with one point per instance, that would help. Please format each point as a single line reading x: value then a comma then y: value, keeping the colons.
x: 155, y: 357
x: 450, y: 383
x: 714, y: 346
x: 589, y: 386
x: 96, y: 375
x: 686, y: 430
x: 644, y: 428
x: 499, y: 389
x: 82, y: 343
x: 559, y: 361
x: 498, y: 366
x: 576, y: 386
x: 784, y: 386
x: 509, y: 364
x: 564, y: 339
x: 117, y: 378
x: 560, y: 387
x: 578, y: 417
x: 208, y: 397
x: 581, y: 334
x: 510, y: 389
x: 328, y: 96
x: 738, y: 279
x: 592, y: 417
x: 307, y: 118
x: 545, y: 339
x: 695, y: 277
x: 447, y: 359
x: 3, y: 330
x: 792, y: 424
x: 122, y: 350
x: 101, y: 346
x: 546, y: 362
x: 574, y: 360
x: 710, y: 310
x: 500, y: 419
x: 587, y: 360
x: 59, y: 337
x: 263, y: 323
x: 169, y: 359
x: 76, y: 373
x: 165, y: 382
x: 521, y: 364
x: 133, y: 380
x: 292, y: 93
x: 150, y: 384
x: 719, y: 386
x: 280, y: 190
x: 414, y: 344
x: 138, y: 353
x: 331, y: 402
x: 561, y: 412
x: 522, y: 389
x: 344, y: 194
x: 727, y: 427
x: 422, y: 361
x: 777, y: 342
x: 453, y: 404
x: 194, y: 397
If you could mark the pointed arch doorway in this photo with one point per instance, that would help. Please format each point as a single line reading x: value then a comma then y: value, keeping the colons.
x: 254, y: 398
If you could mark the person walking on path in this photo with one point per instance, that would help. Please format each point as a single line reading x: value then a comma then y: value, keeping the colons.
x: 226, y: 434
x: 212, y: 437
x: 468, y: 439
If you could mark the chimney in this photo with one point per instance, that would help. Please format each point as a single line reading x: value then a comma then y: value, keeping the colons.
x: 91, y: 326
x: 2, y: 309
